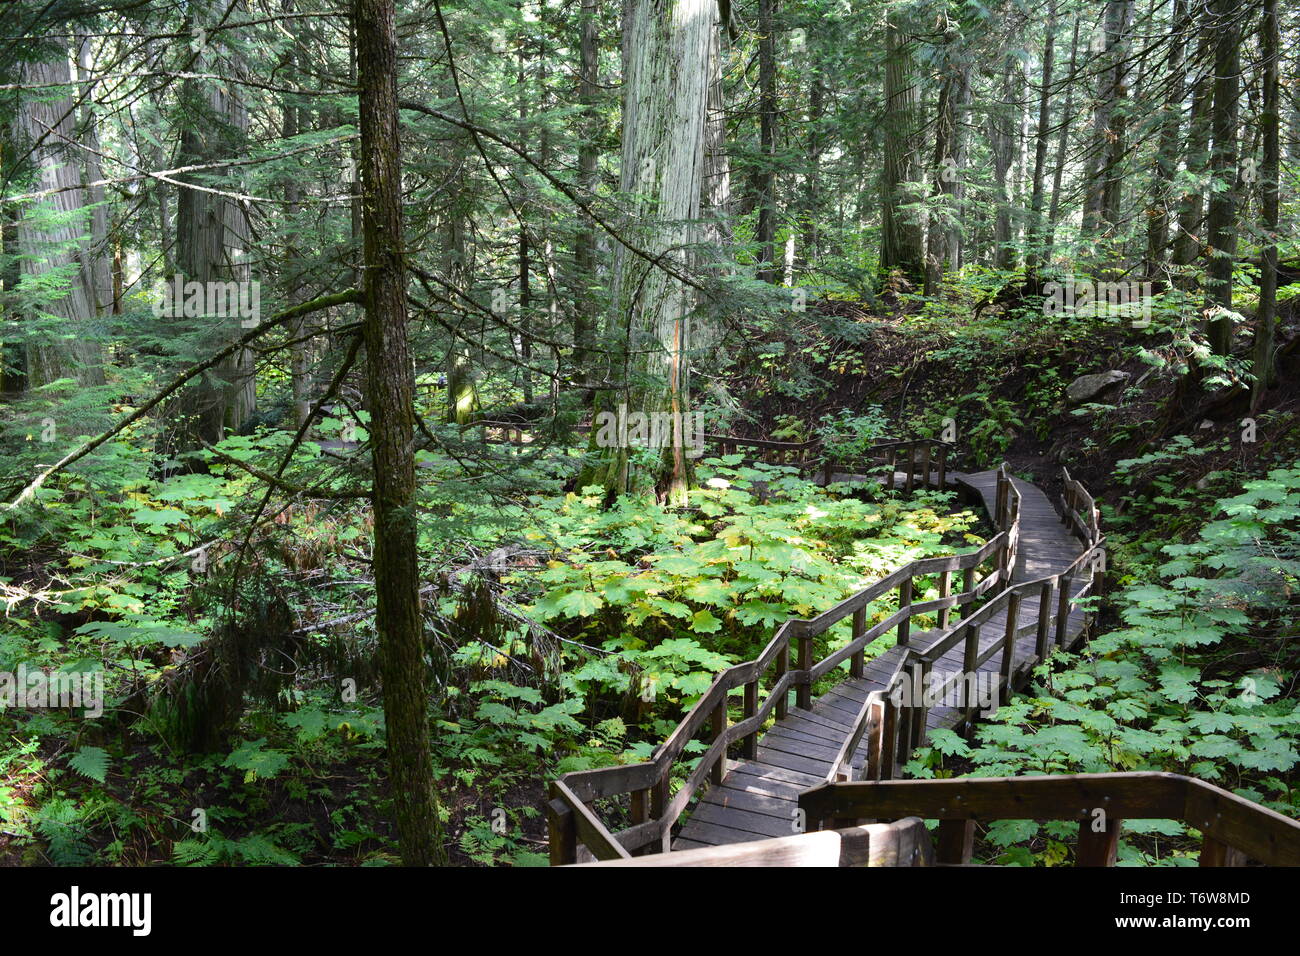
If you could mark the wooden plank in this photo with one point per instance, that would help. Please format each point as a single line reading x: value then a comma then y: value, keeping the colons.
x: 775, y: 740
x: 811, y: 728
x: 715, y: 835
x: 831, y: 722
x: 808, y: 765
x: 764, y: 786
x: 838, y: 708
x: 767, y: 771
x: 729, y: 796
x: 738, y: 818
x: 789, y: 728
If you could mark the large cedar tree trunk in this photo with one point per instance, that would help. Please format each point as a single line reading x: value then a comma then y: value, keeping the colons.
x: 665, y: 102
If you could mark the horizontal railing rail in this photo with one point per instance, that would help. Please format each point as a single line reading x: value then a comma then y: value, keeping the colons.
x: 1233, y: 829
x: 902, y: 843
x: 920, y: 462
x: 654, y: 810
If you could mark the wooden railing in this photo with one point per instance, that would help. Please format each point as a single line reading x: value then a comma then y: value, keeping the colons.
x: 804, y: 455
x: 920, y: 462
x: 1233, y: 829
x: 654, y: 810
x: 931, y: 465
x: 1080, y: 510
x: 894, y: 728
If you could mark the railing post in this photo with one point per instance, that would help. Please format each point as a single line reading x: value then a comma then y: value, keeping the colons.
x: 563, y: 832
x: 1098, y: 576
x: 888, y: 740
x: 658, y: 807
x: 803, y: 696
x: 1098, y: 848
x: 916, y: 721
x: 1044, y: 620
x: 905, y: 601
x: 925, y: 464
x: 1217, y: 853
x: 875, y: 727
x: 859, y: 628
x: 1063, y: 611
x: 719, y: 728
x: 956, y: 841
x: 640, y: 814
x: 1000, y: 502
x: 1009, y: 646
x: 945, y: 590
x: 782, y: 668
x: 970, y: 655
x: 943, y: 466
x: 749, y: 748
x: 911, y: 466
x: 893, y: 467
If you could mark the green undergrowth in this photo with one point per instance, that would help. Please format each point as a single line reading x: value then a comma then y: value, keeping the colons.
x: 583, y: 646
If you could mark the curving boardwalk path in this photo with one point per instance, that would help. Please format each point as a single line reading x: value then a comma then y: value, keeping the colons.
x: 758, y: 798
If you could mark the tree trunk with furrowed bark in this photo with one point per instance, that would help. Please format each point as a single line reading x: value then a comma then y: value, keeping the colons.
x: 390, y: 384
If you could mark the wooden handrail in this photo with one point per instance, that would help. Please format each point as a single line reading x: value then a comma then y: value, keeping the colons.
x: 1224, y: 819
x: 648, y: 781
x: 904, y: 843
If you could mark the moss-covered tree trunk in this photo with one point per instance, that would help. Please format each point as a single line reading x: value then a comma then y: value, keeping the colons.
x: 666, y: 81
x: 902, y: 236
x: 390, y: 387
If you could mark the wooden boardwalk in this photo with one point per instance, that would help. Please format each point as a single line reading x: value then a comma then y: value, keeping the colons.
x: 758, y: 799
